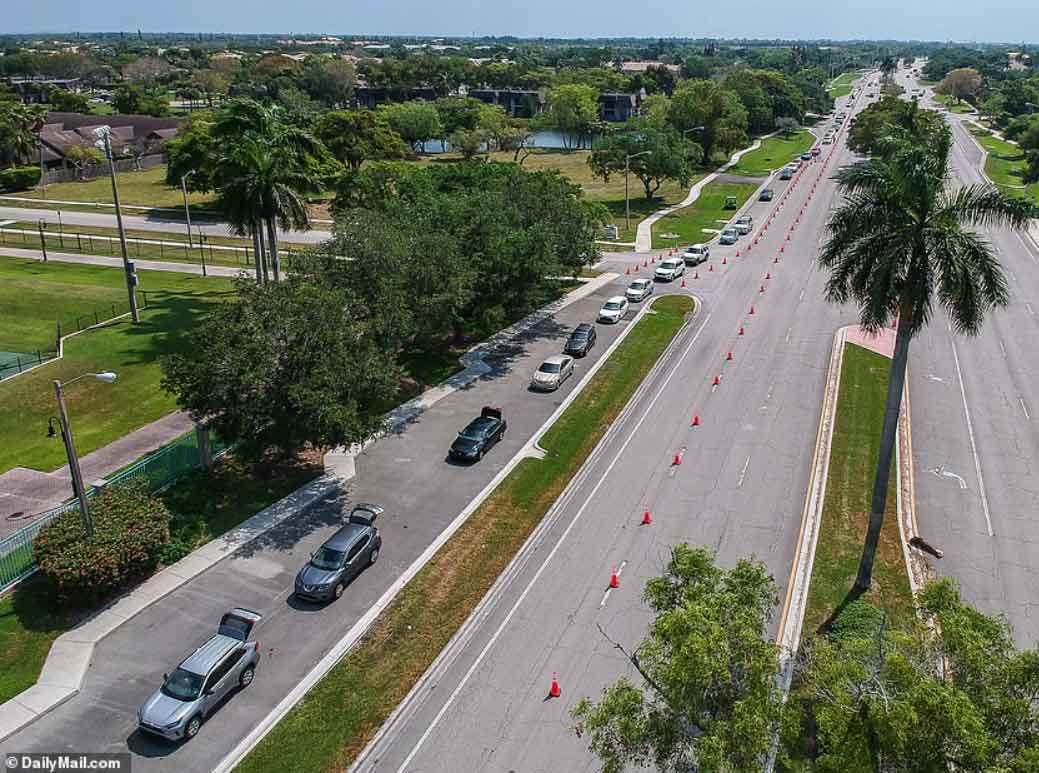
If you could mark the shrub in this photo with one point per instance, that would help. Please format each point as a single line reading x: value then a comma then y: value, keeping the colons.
x: 131, y: 531
x: 858, y: 620
x: 19, y: 178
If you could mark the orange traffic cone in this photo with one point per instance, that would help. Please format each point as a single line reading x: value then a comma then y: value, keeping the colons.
x: 614, y: 581
x: 752, y: 308
x: 683, y: 281
x: 717, y: 381
x: 554, y: 691
x: 741, y: 329
x: 696, y: 420
x: 728, y: 357
x: 646, y: 520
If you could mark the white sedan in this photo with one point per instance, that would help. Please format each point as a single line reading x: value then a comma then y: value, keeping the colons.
x: 614, y: 309
x: 552, y: 373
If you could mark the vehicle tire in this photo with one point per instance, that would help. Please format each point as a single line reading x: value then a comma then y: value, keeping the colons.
x: 246, y: 677
x: 373, y: 557
x: 479, y: 455
x: 501, y: 435
x: 338, y: 592
x: 193, y: 726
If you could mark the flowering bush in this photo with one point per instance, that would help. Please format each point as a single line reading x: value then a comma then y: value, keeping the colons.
x: 131, y: 530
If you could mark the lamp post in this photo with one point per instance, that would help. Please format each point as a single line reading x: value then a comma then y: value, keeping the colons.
x: 187, y: 209
x: 70, y: 447
x: 627, y: 205
x: 104, y: 141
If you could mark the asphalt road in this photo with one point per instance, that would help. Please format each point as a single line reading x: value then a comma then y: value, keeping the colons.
x: 974, y: 403
x: 406, y: 473
x: 740, y: 490
x: 70, y: 219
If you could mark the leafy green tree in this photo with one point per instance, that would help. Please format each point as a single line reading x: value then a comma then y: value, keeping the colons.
x: 458, y: 113
x: 356, y: 136
x: 956, y: 696
x: 69, y: 101
x: 212, y: 84
x: 133, y: 99
x: 876, y: 123
x: 707, y: 697
x: 668, y: 157
x: 416, y: 121
x: 328, y: 81
x: 192, y: 153
x: 571, y: 109
x: 714, y: 116
x: 901, y: 240
x: 1029, y: 142
x: 470, y: 143
x: 83, y: 157
x: 285, y: 366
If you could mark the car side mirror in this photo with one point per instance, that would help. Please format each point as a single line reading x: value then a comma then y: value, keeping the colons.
x: 165, y: 677
x: 209, y: 691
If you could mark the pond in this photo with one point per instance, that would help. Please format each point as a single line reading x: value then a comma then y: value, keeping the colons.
x: 541, y: 139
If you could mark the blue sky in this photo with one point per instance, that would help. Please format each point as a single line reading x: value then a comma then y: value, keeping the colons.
x: 963, y: 20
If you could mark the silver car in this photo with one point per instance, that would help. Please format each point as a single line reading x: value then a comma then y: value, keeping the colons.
x: 552, y: 373
x: 225, y: 663
x: 639, y: 290
x: 729, y: 236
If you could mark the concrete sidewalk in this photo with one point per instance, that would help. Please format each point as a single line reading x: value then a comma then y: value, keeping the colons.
x: 111, y: 262
x: 644, y: 233
x: 26, y: 494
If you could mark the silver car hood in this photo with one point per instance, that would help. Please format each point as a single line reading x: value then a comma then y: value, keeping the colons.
x: 545, y: 378
x: 311, y: 575
x: 161, y: 710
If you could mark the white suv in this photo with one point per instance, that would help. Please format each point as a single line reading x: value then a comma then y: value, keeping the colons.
x: 669, y: 270
x: 696, y: 254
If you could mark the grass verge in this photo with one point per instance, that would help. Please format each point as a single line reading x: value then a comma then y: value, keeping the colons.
x: 706, y: 212
x: 853, y: 459
x: 204, y: 506
x: 332, y: 724
x: 1006, y: 165
x: 773, y: 153
x: 841, y: 85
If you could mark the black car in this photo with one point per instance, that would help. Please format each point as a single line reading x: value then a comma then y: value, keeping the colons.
x: 806, y: 156
x: 766, y: 195
x: 342, y: 557
x: 477, y: 438
x: 581, y: 340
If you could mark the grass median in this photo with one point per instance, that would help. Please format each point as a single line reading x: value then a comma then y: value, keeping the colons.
x: 841, y: 86
x: 773, y: 153
x: 708, y: 211
x: 1005, y: 165
x: 334, y: 722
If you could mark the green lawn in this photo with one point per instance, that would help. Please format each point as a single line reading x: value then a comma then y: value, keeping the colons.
x: 842, y: 85
x: 853, y: 459
x: 1006, y: 165
x: 34, y: 295
x: 204, y: 506
x: 146, y: 188
x: 333, y: 722
x: 705, y: 212
x: 774, y: 153
x: 953, y: 106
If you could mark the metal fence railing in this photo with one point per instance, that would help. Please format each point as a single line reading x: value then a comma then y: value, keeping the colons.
x: 161, y: 469
x: 13, y: 363
x: 97, y: 315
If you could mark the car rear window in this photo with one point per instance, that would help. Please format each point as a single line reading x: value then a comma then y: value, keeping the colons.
x: 612, y: 305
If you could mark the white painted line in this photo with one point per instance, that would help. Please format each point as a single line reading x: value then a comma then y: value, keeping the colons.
x: 1024, y: 408
x: 548, y: 559
x: 1030, y: 309
x: 1003, y: 349
x: 973, y: 445
x: 743, y: 473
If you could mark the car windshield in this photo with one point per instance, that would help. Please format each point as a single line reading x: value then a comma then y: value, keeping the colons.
x: 182, y: 685
x: 612, y: 305
x: 475, y: 431
x: 578, y: 337
x: 641, y: 285
x: 668, y: 264
x: 326, y: 558
x: 549, y: 367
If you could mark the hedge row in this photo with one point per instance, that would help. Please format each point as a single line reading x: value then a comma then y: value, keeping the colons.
x: 131, y: 531
x: 19, y: 178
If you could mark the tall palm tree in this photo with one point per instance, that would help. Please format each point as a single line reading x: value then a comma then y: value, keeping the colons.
x: 902, y: 240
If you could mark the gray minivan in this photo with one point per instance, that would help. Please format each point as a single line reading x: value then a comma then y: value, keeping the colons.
x: 226, y: 662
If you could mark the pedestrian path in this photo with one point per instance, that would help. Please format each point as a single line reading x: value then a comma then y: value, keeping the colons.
x: 26, y: 493
x: 108, y: 260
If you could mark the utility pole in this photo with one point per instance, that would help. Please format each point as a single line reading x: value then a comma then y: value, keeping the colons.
x: 104, y: 135
x: 187, y: 209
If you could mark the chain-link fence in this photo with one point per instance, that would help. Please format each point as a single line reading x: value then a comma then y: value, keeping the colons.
x: 161, y: 469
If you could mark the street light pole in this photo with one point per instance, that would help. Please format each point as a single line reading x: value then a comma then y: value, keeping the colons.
x: 104, y: 135
x: 187, y: 209
x: 627, y: 204
x: 70, y: 447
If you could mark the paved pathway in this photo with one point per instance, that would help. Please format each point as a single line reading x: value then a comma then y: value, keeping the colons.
x: 108, y: 260
x: 644, y: 233
x: 25, y: 493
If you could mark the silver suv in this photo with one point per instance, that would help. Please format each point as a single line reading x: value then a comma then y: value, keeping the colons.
x: 203, y: 679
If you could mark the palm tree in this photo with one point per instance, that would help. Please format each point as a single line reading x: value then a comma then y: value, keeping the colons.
x: 902, y: 240
x: 262, y: 175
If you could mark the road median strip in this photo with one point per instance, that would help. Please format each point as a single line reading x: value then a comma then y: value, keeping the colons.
x: 332, y: 723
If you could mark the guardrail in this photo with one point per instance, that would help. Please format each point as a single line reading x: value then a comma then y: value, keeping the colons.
x: 161, y: 469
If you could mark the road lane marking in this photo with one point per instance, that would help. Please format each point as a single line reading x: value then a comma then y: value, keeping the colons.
x: 1003, y: 348
x: 973, y: 444
x: 1024, y: 408
x: 743, y: 473
x: 1030, y: 309
x: 941, y: 472
x: 606, y: 595
x: 548, y: 559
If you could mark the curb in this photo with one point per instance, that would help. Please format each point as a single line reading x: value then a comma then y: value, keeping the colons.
x: 70, y: 654
x: 344, y: 645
